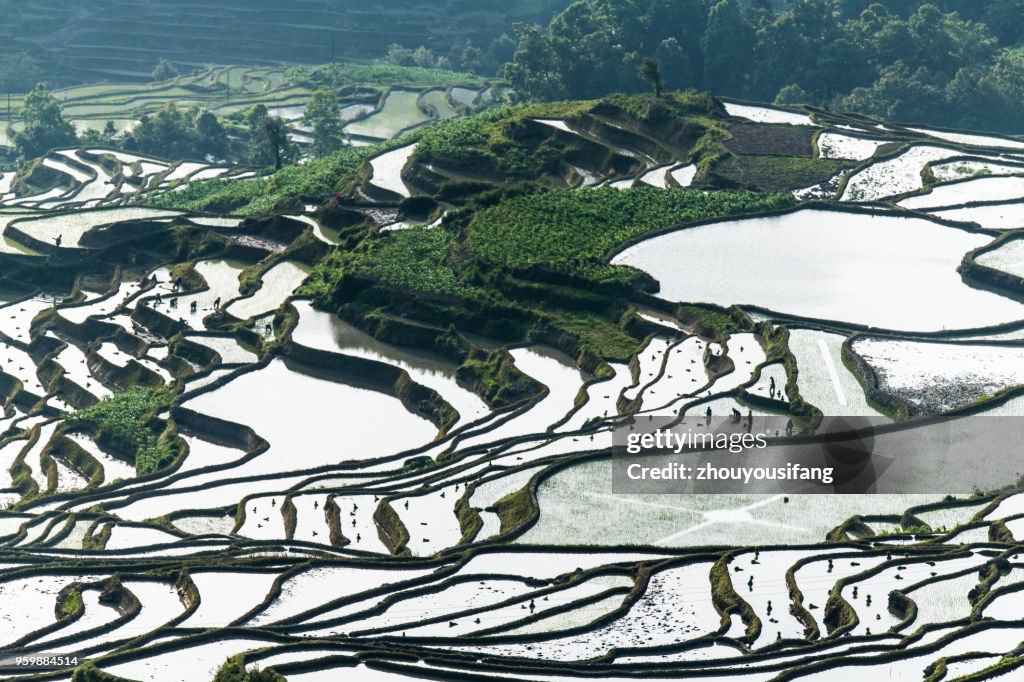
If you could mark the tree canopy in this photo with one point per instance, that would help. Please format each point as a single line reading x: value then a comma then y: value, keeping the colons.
x: 19, y: 71
x: 323, y: 115
x: 45, y: 126
x: 180, y: 134
x: 952, y: 62
x: 269, y: 141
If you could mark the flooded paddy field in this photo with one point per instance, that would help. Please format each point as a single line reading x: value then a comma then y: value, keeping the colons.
x: 826, y: 249
x: 387, y: 470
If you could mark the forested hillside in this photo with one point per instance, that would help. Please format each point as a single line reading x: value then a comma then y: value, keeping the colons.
x: 86, y: 40
x: 950, y: 62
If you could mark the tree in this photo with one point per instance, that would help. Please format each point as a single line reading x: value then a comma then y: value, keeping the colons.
x: 276, y: 133
x: 45, y: 126
x: 164, y: 70
x: 102, y: 138
x: 1005, y: 18
x: 398, y: 55
x: 176, y: 133
x: 899, y: 94
x: 501, y: 50
x: 323, y: 114
x: 424, y: 57
x: 943, y: 61
x: 650, y: 71
x: 166, y: 133
x: 18, y: 72
x: 211, y: 140
x: 675, y: 65
x: 535, y: 72
x: 269, y: 141
x: 728, y: 47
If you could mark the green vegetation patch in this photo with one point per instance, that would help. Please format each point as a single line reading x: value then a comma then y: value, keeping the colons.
x: 499, y: 141
x: 337, y: 75
x: 90, y: 673
x: 413, y: 260
x: 496, y: 378
x: 504, y: 142
x: 69, y: 603
x: 253, y: 196
x: 774, y: 173
x: 704, y: 319
x: 659, y: 110
x: 515, y: 509
x: 125, y: 422
x: 234, y: 670
x: 596, y: 334
x: 573, y: 227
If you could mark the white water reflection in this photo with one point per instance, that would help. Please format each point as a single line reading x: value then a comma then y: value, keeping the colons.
x: 885, y: 271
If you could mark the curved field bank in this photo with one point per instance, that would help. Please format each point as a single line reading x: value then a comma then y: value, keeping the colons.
x: 397, y: 463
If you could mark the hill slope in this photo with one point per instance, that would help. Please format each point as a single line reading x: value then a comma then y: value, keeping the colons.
x: 89, y: 40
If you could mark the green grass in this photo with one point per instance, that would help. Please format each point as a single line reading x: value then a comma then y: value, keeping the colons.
x: 234, y: 670
x: 71, y: 604
x: 497, y: 379
x: 254, y: 196
x: 597, y: 334
x: 577, y: 228
x: 487, y: 141
x: 515, y: 509
x: 706, y: 319
x: 122, y: 421
x: 673, y: 106
x: 413, y: 260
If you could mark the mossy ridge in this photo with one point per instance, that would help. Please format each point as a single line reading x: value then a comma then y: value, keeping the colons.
x: 235, y: 670
x: 577, y: 229
x: 728, y: 602
x: 90, y: 673
x: 393, y: 532
x: 126, y: 422
x: 470, y: 521
x: 495, y: 377
x: 516, y: 510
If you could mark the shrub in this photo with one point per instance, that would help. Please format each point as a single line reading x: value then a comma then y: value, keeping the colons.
x: 123, y: 421
x: 580, y: 228
x: 255, y: 196
x: 234, y: 670
x: 336, y: 75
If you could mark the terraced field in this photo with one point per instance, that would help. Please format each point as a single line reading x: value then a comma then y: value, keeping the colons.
x: 372, y: 112
x: 347, y: 439
x: 114, y: 41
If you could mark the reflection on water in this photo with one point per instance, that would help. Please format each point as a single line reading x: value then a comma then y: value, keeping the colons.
x: 322, y: 330
x: 310, y: 421
x: 885, y: 271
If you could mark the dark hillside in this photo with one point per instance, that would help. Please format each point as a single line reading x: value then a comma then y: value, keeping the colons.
x: 83, y: 40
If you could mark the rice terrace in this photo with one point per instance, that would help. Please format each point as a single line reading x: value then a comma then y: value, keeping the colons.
x: 321, y: 325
